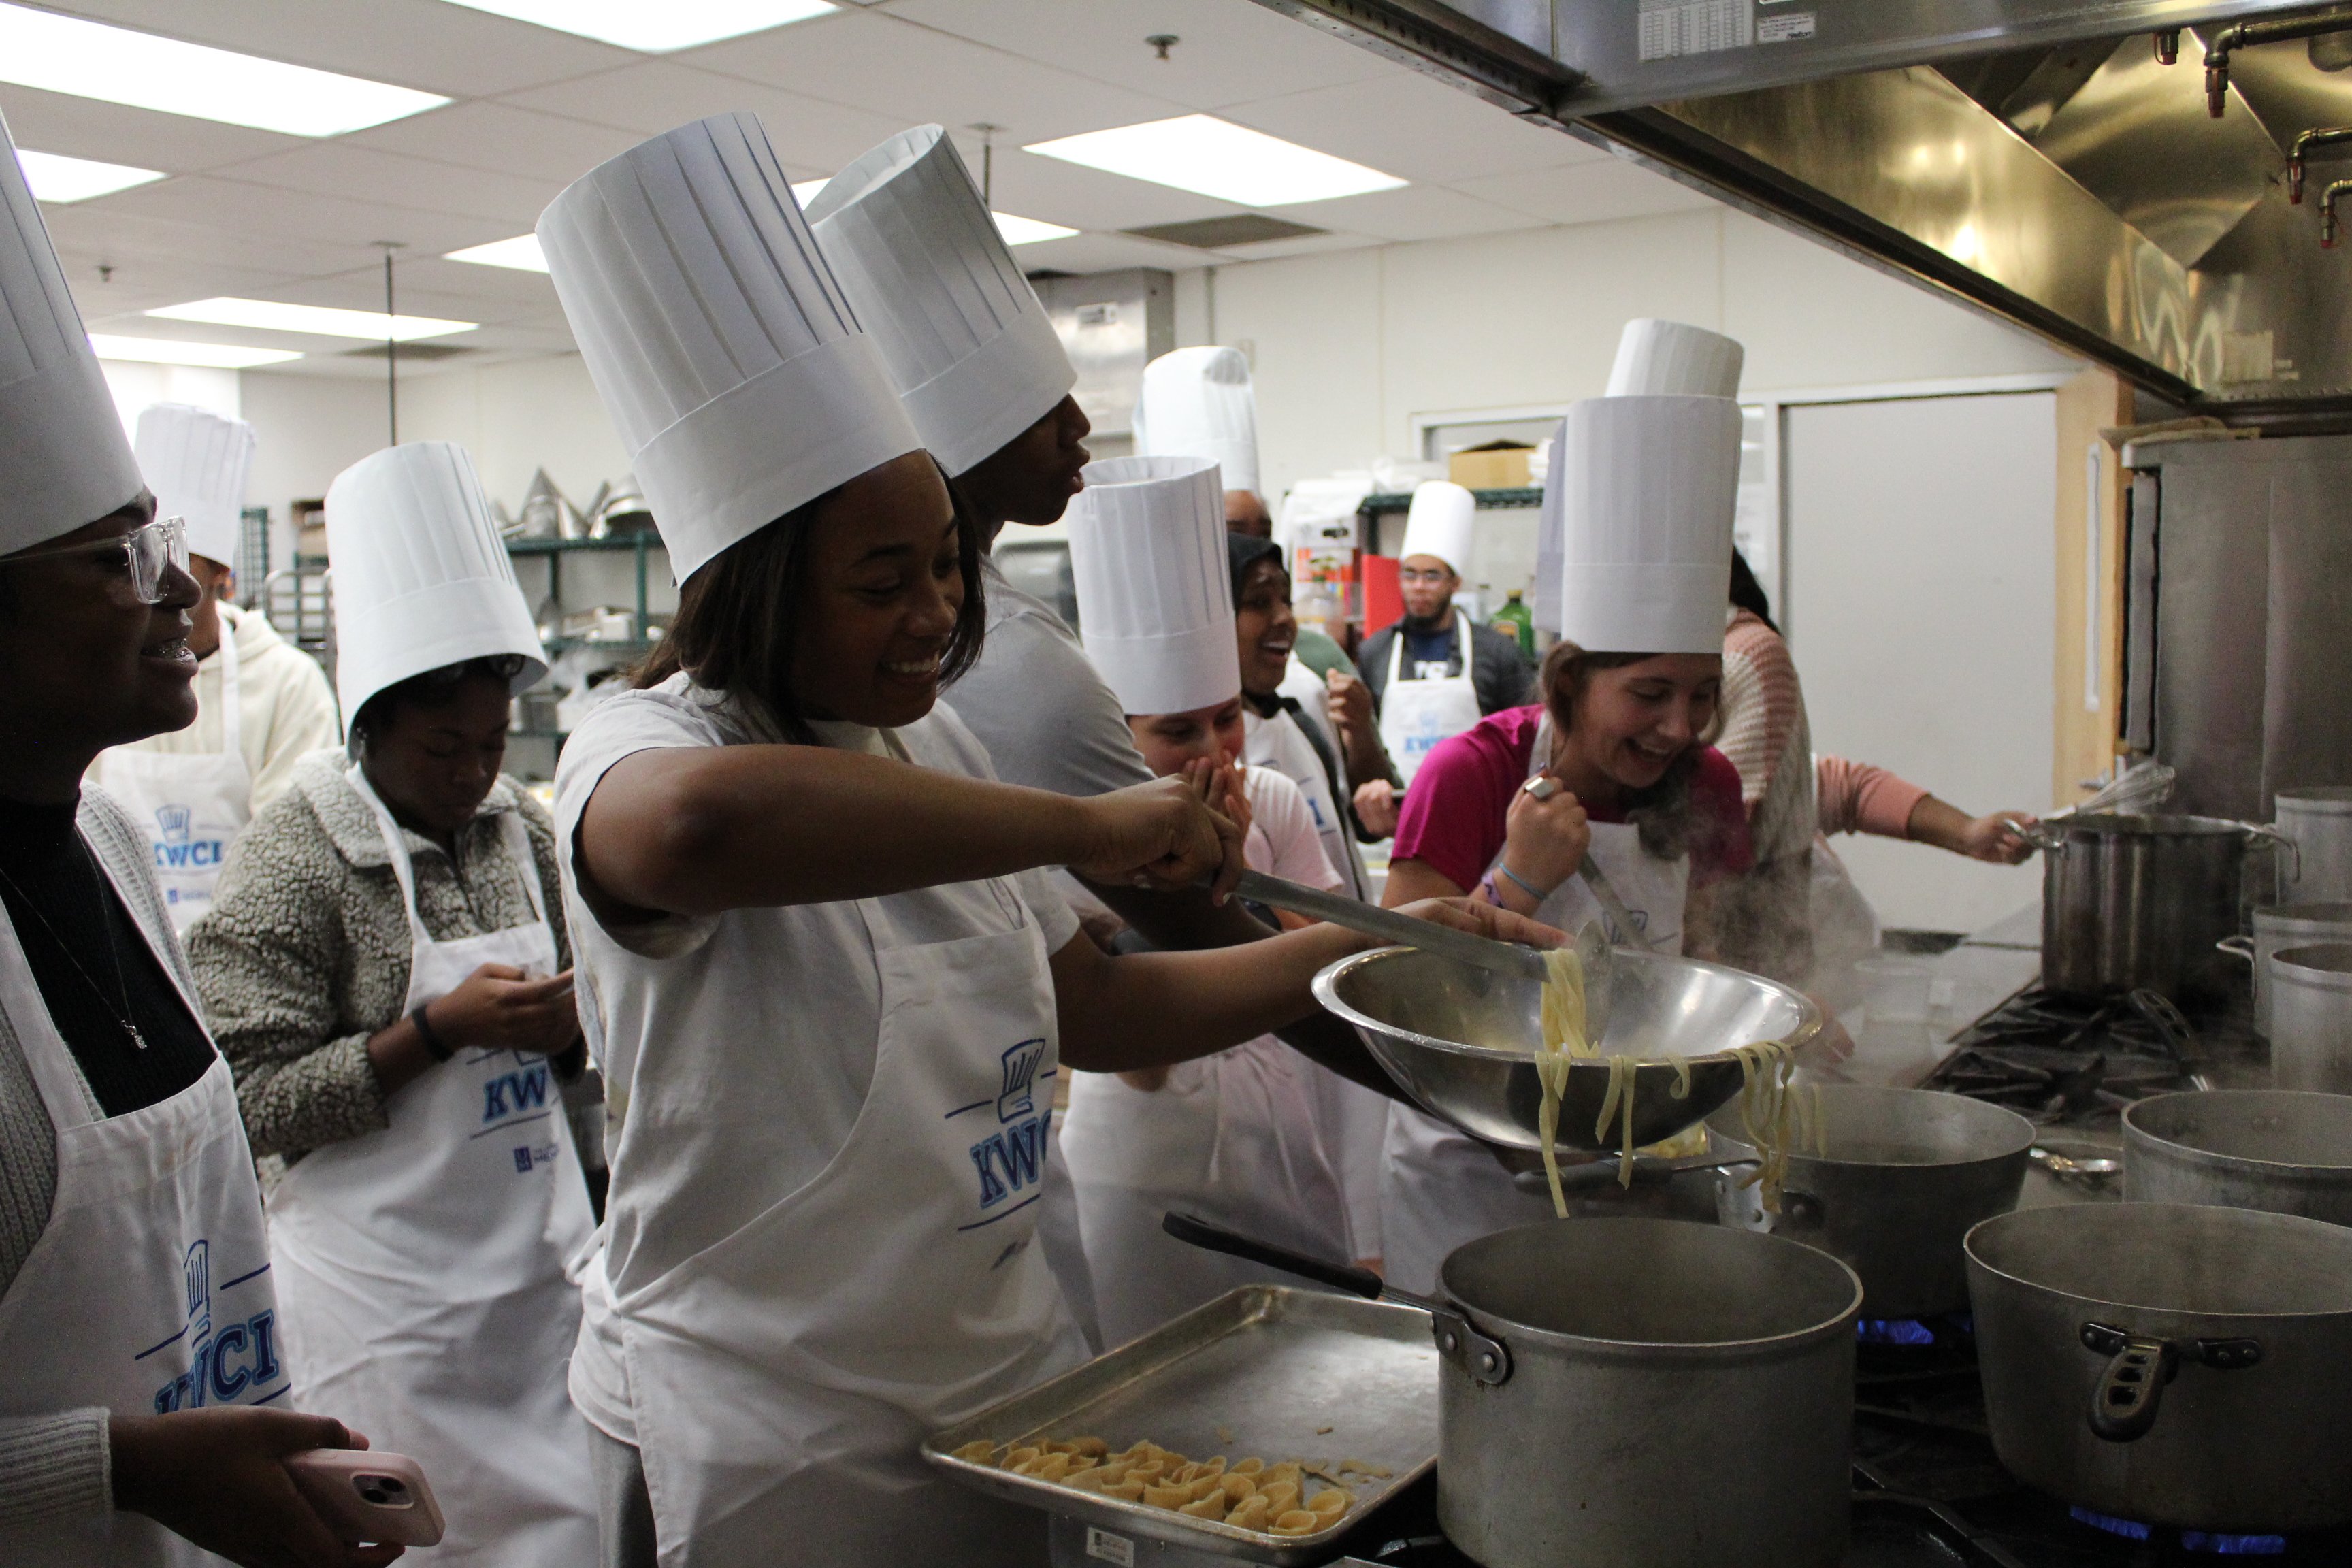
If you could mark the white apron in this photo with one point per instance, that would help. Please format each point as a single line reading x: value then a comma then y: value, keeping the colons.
x: 1441, y: 1188
x: 1417, y: 714
x: 421, y: 1268
x: 1234, y: 1137
x: 149, y: 1290
x: 784, y: 1378
x: 191, y: 807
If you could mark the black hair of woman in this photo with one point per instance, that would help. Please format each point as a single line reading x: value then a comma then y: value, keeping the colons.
x: 1747, y: 592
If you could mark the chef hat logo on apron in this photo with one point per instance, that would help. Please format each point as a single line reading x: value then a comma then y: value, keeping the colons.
x: 1655, y: 359
x: 64, y: 463
x: 421, y: 578
x: 1199, y: 403
x: 195, y: 461
x: 1440, y: 523
x: 729, y: 357
x: 971, y: 350
x: 1155, y: 594
x: 1646, y: 503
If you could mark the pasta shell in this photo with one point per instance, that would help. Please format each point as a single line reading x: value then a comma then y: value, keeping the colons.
x: 1210, y: 1507
x: 1237, y: 1487
x: 1298, y: 1522
x: 1280, y: 1495
x: 1250, y: 1513
x: 1247, y: 1468
x: 1167, y: 1496
x: 1330, y: 1501
x: 981, y: 1452
x: 1125, y: 1491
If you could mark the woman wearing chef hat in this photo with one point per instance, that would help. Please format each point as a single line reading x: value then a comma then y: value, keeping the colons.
x: 1232, y: 1137
x: 1609, y: 761
x: 386, y: 973
x: 262, y: 705
x: 138, y: 1328
x: 831, y: 990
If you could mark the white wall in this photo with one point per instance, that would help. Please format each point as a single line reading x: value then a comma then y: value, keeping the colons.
x: 135, y: 386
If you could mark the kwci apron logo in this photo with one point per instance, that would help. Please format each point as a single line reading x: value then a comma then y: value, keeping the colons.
x: 1012, y: 1159
x: 225, y: 1362
x: 178, y: 848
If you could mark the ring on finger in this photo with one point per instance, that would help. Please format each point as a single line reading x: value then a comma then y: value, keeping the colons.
x: 1541, y: 788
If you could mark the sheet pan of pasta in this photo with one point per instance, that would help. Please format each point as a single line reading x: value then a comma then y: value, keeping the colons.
x: 1262, y: 1426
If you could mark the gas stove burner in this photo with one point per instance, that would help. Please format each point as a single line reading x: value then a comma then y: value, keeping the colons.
x: 2213, y: 1541
x: 2066, y: 1059
x: 1893, y: 1332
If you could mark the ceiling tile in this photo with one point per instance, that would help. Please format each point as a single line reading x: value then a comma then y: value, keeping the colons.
x: 1416, y: 212
x: 1107, y: 252
x: 340, y: 168
x: 106, y: 233
x: 1413, y: 128
x: 497, y: 136
x: 265, y: 210
x: 1228, y: 51
x: 1586, y: 192
x: 1305, y: 244
x: 117, y: 134
x: 655, y: 97
x: 1056, y: 192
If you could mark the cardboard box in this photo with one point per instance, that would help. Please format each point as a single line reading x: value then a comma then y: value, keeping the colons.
x: 1496, y: 466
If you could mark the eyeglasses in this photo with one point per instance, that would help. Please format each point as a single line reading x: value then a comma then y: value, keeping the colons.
x: 150, y: 550
x: 1416, y: 577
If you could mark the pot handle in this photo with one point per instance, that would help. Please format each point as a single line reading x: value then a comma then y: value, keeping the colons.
x: 2040, y: 834
x: 2130, y: 1392
x: 1200, y: 1232
x: 2237, y: 947
x: 2290, y: 852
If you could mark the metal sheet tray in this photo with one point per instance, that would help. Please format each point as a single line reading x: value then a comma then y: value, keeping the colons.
x: 1289, y: 1373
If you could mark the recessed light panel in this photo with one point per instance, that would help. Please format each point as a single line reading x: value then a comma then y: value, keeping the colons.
x: 116, y: 64
x: 171, y: 351
x: 55, y: 177
x: 521, y: 253
x: 1213, y: 157
x: 654, y: 28
x: 1015, y: 230
x: 319, y: 321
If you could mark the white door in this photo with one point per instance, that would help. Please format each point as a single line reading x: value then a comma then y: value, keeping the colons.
x: 1921, y: 608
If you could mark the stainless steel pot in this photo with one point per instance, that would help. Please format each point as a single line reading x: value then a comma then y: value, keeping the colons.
x: 1903, y: 1175
x: 2311, y: 1018
x: 2271, y: 1149
x: 2128, y: 901
x: 2319, y: 822
x: 2284, y: 925
x: 1595, y: 1371
x: 2170, y: 1364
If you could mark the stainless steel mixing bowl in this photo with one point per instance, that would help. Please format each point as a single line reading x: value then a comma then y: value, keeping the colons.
x: 1461, y: 1041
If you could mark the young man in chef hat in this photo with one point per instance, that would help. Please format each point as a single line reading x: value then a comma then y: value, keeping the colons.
x: 262, y: 704
x: 1236, y: 1137
x: 139, y: 1330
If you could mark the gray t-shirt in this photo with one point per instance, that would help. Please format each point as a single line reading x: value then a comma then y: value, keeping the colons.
x: 1038, y: 705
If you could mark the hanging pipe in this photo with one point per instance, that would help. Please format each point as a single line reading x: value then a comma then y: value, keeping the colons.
x: 2303, y: 144
x: 2328, y: 212
x: 2246, y: 34
x: 2167, y: 48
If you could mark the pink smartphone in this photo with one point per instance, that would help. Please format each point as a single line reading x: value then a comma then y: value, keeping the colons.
x: 370, y: 1496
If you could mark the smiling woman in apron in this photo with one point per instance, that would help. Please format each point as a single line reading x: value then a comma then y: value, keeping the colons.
x: 1608, y: 762
x: 138, y: 1329
x: 832, y: 989
x: 387, y: 977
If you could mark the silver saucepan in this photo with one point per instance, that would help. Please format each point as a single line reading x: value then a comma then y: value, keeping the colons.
x: 2281, y: 1150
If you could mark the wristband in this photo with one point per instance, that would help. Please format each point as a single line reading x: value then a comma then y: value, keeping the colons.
x: 441, y: 1052
x: 1523, y: 885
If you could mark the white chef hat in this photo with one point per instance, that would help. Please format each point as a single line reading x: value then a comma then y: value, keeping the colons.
x: 726, y: 355
x: 196, y: 462
x: 64, y: 463
x: 912, y: 241
x: 1646, y: 511
x: 1199, y: 403
x: 421, y: 578
x: 1440, y: 523
x: 1155, y: 591
x: 1672, y: 359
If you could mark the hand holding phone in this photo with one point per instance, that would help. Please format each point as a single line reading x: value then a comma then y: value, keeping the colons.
x: 365, y: 1495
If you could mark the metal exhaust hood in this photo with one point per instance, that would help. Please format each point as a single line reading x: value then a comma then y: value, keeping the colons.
x: 2057, y: 163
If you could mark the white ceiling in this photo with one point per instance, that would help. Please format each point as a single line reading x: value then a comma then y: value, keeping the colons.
x: 256, y: 214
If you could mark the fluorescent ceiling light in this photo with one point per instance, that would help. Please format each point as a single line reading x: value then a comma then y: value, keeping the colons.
x: 804, y: 191
x: 1015, y: 230
x: 1213, y: 157
x: 654, y: 28
x: 55, y: 177
x: 171, y: 351
x: 116, y: 64
x: 318, y: 320
x: 521, y: 253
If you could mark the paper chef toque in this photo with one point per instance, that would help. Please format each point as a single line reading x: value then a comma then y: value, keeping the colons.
x: 1646, y: 511
x: 1199, y: 403
x: 1439, y: 523
x: 973, y: 354
x: 1155, y: 593
x: 732, y: 364
x: 64, y: 463
x: 1670, y: 359
x: 421, y: 578
x: 196, y: 462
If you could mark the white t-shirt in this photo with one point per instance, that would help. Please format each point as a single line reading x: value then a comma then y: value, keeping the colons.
x: 1283, y: 841
x: 1039, y: 705
x: 765, y: 1037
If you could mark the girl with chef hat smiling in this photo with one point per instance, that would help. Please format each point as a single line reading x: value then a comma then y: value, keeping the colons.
x: 831, y: 989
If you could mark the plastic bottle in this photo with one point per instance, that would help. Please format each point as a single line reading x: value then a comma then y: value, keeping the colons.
x: 1517, y: 620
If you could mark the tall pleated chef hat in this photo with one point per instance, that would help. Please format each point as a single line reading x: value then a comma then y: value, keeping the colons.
x: 1655, y: 359
x: 1155, y: 602
x: 1199, y: 403
x: 196, y: 462
x: 1439, y: 523
x: 421, y: 578
x: 1646, y: 508
x: 727, y: 356
x: 973, y: 354
x: 64, y: 462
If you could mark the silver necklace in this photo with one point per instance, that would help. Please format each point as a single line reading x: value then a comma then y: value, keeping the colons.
x: 121, y: 1006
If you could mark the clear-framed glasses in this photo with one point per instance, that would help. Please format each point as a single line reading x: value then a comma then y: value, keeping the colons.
x: 151, y: 551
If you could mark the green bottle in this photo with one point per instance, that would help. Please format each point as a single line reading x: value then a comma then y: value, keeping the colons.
x: 1518, y: 621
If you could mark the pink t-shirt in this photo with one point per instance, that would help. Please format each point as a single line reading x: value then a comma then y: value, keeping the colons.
x: 1453, y: 818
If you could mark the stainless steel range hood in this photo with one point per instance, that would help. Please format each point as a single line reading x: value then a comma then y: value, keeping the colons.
x: 2034, y: 157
